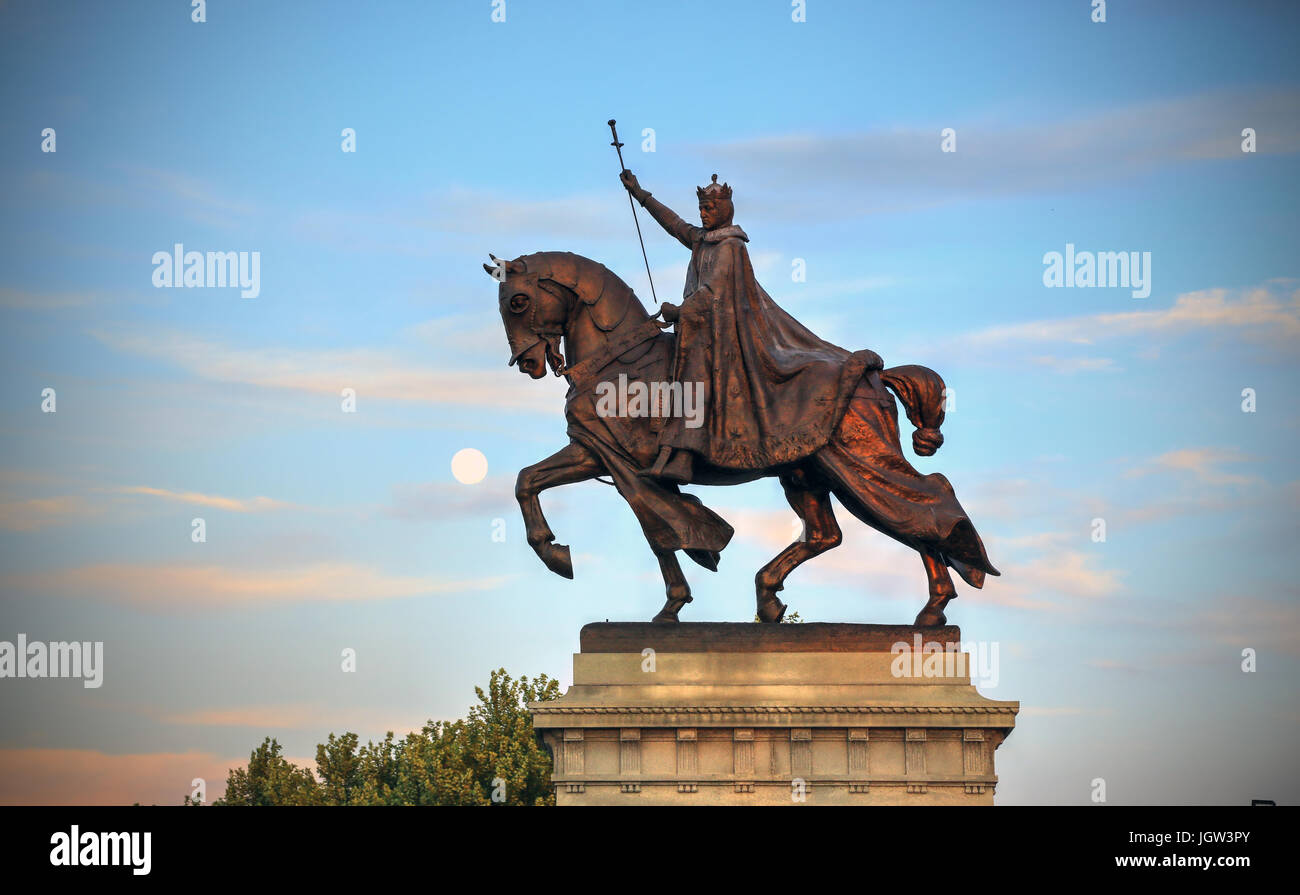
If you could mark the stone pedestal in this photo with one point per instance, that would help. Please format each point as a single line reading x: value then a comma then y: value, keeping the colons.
x: 754, y: 714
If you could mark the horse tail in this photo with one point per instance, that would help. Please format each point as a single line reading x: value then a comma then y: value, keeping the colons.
x: 923, y: 395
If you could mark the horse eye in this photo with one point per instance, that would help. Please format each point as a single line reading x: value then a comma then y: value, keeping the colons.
x: 518, y: 303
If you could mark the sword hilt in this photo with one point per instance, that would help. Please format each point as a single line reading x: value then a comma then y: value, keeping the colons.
x: 618, y: 147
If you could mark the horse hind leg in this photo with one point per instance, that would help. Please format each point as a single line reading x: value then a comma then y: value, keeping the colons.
x: 941, y: 590
x: 841, y: 469
x: 812, y: 504
x: 675, y: 586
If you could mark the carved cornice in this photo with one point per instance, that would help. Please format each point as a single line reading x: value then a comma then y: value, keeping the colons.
x: 544, y: 709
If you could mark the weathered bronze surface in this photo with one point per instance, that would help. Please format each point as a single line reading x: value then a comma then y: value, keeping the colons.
x: 777, y: 400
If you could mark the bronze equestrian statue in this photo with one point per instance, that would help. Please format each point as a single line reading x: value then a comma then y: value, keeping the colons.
x: 776, y: 401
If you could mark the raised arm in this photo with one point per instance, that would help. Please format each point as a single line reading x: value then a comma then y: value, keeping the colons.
x: 667, y: 218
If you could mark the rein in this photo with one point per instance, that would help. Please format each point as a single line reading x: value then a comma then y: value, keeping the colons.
x: 582, y: 373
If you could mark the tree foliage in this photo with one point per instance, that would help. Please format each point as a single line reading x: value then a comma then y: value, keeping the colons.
x: 790, y: 618
x: 490, y: 756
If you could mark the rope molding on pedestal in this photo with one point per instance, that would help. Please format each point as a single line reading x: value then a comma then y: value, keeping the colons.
x: 542, y: 709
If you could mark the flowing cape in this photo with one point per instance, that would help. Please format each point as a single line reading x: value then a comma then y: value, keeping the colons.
x: 774, y: 390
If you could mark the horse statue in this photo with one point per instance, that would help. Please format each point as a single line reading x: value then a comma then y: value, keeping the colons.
x: 608, y: 337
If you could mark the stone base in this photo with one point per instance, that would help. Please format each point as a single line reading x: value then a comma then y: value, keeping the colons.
x: 753, y: 714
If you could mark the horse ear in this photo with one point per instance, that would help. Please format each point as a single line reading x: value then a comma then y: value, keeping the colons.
x: 499, y: 264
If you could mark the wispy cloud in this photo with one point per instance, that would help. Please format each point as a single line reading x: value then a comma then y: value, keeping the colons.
x: 374, y: 373
x: 1047, y: 711
x: 1203, y: 464
x: 1075, y: 364
x: 182, y: 587
x: 884, y: 170
x: 234, y: 504
x: 294, y: 716
x: 27, y: 300
x: 139, y: 187
x: 1113, y: 665
x: 1272, y: 309
x: 488, y: 219
x: 92, y: 777
x: 1219, y: 629
x: 1238, y: 622
x: 36, y: 513
x: 499, y: 215
x: 1268, y: 314
x: 426, y: 501
x: 1057, y: 579
x: 194, y: 197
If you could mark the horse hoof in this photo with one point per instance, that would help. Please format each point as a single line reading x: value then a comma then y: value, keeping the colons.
x: 670, y: 610
x: 771, y: 610
x: 930, y: 618
x: 558, y: 560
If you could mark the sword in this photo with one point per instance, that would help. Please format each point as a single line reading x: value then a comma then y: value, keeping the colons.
x: 618, y: 147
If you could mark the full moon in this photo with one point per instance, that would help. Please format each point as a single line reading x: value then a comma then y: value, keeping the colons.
x: 469, y: 466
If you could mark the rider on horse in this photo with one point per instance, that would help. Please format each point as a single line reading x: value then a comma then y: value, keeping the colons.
x: 773, y: 391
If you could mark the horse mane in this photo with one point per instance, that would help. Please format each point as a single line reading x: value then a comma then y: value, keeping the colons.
x: 608, y: 298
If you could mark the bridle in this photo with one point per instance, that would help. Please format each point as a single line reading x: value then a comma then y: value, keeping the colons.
x: 549, y: 333
x: 578, y: 374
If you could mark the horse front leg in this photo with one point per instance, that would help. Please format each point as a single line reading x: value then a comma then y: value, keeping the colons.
x: 573, y: 463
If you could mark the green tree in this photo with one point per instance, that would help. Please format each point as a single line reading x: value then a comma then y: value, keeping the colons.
x: 489, y: 757
x: 270, y: 779
x: 338, y: 767
x: 503, y: 752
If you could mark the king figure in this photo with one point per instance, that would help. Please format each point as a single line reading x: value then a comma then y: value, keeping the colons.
x: 773, y: 391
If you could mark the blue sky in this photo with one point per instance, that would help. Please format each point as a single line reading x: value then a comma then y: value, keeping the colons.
x: 329, y: 530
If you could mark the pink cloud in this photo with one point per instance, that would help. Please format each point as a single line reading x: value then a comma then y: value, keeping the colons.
x: 42, y: 512
x: 234, y: 504
x: 90, y: 777
x: 178, y: 586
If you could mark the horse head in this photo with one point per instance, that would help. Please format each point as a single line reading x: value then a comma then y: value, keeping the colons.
x: 540, y: 297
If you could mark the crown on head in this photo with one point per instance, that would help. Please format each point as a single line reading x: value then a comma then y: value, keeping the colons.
x: 714, y: 190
